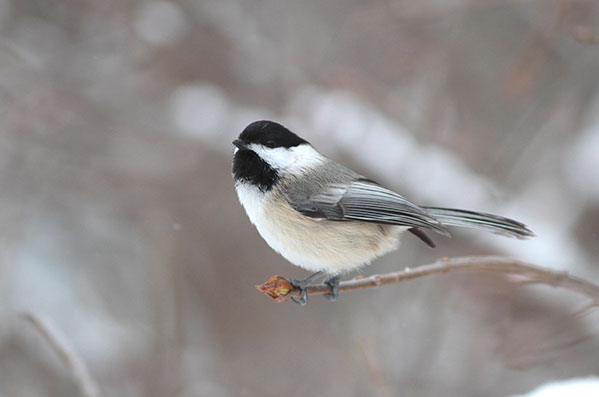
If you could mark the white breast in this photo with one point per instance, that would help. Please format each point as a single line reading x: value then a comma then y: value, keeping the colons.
x: 251, y: 198
x: 315, y: 245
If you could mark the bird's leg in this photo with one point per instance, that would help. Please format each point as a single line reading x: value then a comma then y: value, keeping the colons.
x: 301, y: 286
x: 333, y: 282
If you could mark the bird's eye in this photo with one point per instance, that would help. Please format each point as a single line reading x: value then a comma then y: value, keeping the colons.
x: 270, y: 143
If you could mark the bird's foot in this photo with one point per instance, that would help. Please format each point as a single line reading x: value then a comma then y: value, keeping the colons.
x: 332, y: 282
x: 301, y: 286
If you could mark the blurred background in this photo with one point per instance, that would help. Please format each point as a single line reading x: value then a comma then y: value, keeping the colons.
x: 121, y: 228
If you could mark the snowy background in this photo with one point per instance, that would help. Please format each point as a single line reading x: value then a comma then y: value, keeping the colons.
x: 120, y: 225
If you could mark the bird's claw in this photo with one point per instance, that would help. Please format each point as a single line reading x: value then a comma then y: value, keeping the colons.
x: 303, y: 296
x: 301, y: 286
x: 333, y: 282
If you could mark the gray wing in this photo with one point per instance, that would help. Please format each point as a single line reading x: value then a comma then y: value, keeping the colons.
x: 367, y: 201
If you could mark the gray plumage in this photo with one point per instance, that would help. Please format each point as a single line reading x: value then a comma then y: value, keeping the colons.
x: 340, y: 194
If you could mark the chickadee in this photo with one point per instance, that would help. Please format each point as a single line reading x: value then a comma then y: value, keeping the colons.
x: 326, y: 218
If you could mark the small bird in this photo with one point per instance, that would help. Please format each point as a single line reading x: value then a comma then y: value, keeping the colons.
x: 326, y: 218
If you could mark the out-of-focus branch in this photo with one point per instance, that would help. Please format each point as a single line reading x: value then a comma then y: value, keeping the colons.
x: 67, y: 353
x: 280, y: 289
x: 585, y: 35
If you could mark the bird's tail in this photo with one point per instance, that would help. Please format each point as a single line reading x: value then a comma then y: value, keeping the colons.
x: 480, y: 220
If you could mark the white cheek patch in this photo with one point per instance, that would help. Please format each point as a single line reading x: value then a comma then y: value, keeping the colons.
x: 291, y: 159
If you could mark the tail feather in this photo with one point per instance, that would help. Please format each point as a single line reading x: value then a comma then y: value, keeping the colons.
x: 480, y: 220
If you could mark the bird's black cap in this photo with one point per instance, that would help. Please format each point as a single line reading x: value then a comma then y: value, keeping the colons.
x: 270, y: 134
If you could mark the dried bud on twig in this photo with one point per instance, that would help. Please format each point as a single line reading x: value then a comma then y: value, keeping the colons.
x: 276, y: 287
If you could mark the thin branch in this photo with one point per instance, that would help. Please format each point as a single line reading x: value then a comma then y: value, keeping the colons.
x: 280, y: 289
x: 67, y: 353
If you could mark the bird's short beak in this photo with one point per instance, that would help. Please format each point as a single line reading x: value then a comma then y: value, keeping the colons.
x: 240, y: 144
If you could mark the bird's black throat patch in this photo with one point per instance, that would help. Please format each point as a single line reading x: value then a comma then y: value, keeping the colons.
x: 249, y: 167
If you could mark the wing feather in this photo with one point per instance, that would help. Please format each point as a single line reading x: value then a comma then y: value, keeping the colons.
x: 366, y: 201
